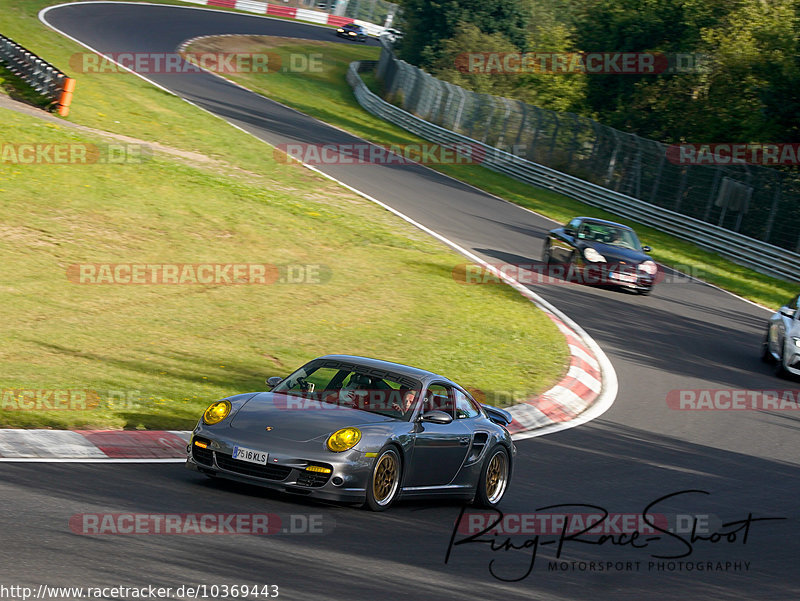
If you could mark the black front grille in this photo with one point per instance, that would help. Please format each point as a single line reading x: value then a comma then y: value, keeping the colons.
x: 312, y: 479
x: 267, y: 472
x: 202, y: 456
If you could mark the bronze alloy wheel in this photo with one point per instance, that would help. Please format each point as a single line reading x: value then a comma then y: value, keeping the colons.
x: 385, y: 478
x: 496, y: 477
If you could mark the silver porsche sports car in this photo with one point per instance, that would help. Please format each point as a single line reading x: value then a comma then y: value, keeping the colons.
x: 359, y: 430
x: 781, y: 344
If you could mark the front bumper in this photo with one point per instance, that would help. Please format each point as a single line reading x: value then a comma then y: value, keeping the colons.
x: 792, y: 363
x: 286, y: 468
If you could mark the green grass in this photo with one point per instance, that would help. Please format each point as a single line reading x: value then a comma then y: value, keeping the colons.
x: 327, y: 96
x: 156, y: 355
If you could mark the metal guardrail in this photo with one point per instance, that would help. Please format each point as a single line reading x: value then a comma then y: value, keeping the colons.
x: 760, y: 256
x: 43, y: 77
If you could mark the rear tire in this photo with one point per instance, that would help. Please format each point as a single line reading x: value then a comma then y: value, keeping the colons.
x: 573, y: 272
x: 493, y: 480
x: 547, y: 256
x: 384, y: 481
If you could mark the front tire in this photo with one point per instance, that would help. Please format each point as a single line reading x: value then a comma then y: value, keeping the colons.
x: 780, y: 370
x: 384, y: 481
x: 493, y: 479
x: 766, y: 354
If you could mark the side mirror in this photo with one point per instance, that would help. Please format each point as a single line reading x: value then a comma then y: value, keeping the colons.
x: 646, y: 249
x: 437, y: 417
x: 787, y: 311
x: 274, y: 381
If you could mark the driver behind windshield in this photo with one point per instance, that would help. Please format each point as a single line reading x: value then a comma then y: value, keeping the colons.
x: 356, y: 391
x: 406, y: 404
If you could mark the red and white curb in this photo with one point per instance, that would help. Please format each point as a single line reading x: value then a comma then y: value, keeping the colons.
x: 288, y: 12
x: 572, y: 401
x: 567, y: 399
x: 140, y: 446
x: 576, y: 399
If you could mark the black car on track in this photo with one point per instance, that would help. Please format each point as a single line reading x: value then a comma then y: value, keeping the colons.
x: 351, y: 31
x: 600, y: 252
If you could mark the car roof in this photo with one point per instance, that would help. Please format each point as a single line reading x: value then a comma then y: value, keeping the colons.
x: 399, y: 368
x: 603, y: 222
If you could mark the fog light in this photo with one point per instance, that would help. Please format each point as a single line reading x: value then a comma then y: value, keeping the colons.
x: 319, y: 469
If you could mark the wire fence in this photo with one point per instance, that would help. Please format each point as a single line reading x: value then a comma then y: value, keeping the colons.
x: 759, y: 202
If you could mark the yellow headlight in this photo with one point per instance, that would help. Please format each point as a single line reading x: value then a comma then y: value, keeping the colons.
x: 344, y: 439
x: 217, y: 412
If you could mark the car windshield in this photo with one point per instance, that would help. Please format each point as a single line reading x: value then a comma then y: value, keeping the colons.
x: 609, y: 234
x: 352, y: 386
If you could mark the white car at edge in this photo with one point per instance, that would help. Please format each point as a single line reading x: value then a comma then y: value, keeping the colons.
x: 781, y: 344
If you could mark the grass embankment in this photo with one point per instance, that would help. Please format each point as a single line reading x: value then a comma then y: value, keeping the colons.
x: 156, y: 355
x: 326, y: 95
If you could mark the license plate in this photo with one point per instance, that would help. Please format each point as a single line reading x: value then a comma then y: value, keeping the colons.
x: 244, y: 454
x: 623, y: 277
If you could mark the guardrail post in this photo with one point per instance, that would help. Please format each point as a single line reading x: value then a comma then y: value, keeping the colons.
x: 773, y: 210
x: 490, y: 120
x: 657, y: 182
x: 521, y: 124
x: 612, y: 162
x: 714, y: 188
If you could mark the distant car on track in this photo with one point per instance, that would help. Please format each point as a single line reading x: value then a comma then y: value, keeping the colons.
x: 781, y: 345
x: 393, y: 35
x: 359, y: 430
x: 596, y: 251
x: 351, y: 31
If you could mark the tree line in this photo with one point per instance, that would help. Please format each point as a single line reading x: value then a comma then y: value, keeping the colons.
x: 726, y: 70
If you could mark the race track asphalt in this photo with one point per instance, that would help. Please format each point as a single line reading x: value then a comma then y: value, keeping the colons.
x: 684, y: 336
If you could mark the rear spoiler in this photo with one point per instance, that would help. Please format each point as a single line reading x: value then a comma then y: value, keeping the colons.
x: 498, y: 416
